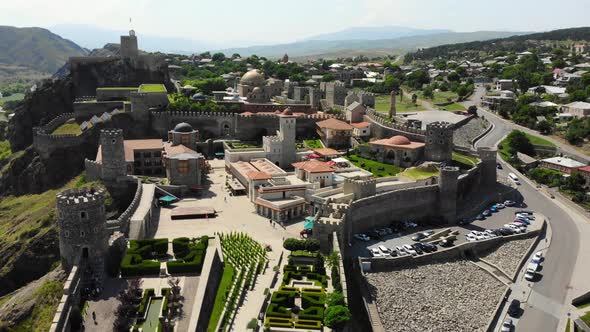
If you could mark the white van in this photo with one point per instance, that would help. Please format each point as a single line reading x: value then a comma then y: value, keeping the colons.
x: 514, y: 178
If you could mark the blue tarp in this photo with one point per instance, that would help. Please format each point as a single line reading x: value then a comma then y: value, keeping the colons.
x: 308, y: 223
x: 168, y: 198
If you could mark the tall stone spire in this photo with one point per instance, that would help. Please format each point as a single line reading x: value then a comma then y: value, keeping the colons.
x: 392, y: 111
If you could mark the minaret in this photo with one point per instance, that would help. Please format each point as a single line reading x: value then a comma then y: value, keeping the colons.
x: 392, y: 111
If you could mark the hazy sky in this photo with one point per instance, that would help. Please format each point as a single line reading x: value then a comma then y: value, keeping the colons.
x: 271, y: 21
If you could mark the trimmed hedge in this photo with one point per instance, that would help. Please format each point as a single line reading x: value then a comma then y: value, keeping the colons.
x: 144, y: 301
x: 291, y: 275
x: 312, y: 300
x: 165, y: 292
x: 303, y: 253
x: 308, y: 324
x: 304, y: 269
x: 312, y: 313
x: 289, y: 268
x: 292, y: 244
x: 133, y: 265
x: 284, y: 298
x: 313, y: 290
x: 278, y: 322
x: 149, y: 248
x: 189, y: 254
x: 321, y: 278
x: 275, y: 310
x: 289, y: 289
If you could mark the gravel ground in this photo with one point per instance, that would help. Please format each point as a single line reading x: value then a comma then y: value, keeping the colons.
x: 449, y: 296
x: 505, y: 256
x: 469, y: 131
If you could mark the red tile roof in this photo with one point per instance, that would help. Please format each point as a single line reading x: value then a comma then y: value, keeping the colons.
x: 360, y: 125
x: 334, y: 124
x: 585, y: 169
x: 314, y: 166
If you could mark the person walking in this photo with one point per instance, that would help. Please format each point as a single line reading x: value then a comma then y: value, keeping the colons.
x: 94, y: 316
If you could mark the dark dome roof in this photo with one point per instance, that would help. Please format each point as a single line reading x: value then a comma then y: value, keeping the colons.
x: 183, y: 127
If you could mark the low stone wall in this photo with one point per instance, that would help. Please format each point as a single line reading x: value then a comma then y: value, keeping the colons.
x: 122, y: 222
x: 207, y: 289
x: 140, y: 222
x: 380, y: 128
x: 86, y: 110
x: 69, y: 298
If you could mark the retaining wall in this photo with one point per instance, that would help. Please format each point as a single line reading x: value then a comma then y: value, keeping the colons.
x: 70, y: 297
x: 121, y: 224
x: 207, y: 289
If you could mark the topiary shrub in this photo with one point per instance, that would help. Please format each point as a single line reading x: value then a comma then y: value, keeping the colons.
x: 307, y: 324
x: 275, y: 310
x: 292, y: 244
x: 312, y: 313
x: 283, y: 298
x: 278, y: 322
x: 312, y: 299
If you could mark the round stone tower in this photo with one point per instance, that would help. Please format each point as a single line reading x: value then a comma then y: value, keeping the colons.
x: 82, y: 228
x: 448, y: 186
x: 439, y: 142
x: 489, y: 170
x: 113, y: 154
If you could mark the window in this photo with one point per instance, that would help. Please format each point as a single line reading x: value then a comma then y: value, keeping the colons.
x: 440, y: 142
x: 82, y: 234
x: 113, y: 141
x: 67, y: 233
x: 157, y: 154
x: 147, y: 154
x: 183, y: 167
x: 83, y: 215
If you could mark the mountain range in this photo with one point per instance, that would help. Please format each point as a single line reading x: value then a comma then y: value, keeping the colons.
x: 376, y: 33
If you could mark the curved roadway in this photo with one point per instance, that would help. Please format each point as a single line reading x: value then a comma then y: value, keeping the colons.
x: 547, y: 302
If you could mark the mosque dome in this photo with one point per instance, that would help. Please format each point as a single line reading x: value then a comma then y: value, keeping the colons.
x: 399, y: 140
x: 183, y: 127
x: 253, y: 78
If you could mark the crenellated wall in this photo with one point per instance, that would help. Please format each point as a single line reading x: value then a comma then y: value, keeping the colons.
x: 70, y: 297
x: 121, y: 224
x: 86, y: 109
x: 381, y: 128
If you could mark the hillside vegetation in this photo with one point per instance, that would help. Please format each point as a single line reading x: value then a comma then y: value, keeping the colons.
x: 511, y: 44
x: 35, y: 48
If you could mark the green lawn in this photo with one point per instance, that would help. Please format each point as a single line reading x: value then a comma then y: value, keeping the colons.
x: 454, y: 107
x: 440, y: 97
x: 584, y: 305
x: 378, y: 169
x: 152, y: 88
x: 5, y: 149
x: 567, y: 326
x: 586, y: 318
x: 152, y: 321
x: 465, y: 159
x: 220, y: 298
x: 68, y: 129
x: 314, y: 143
x: 420, y: 173
x: 116, y: 88
x: 47, y: 298
x: 536, y: 140
x: 13, y: 97
x: 382, y: 103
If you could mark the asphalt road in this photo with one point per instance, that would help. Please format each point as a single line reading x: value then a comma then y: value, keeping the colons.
x: 550, y: 292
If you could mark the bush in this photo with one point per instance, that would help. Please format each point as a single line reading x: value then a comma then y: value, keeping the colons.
x: 278, y: 322
x: 308, y: 324
x: 295, y: 244
x: 274, y: 310
x: 303, y: 253
x: 189, y: 254
x: 144, y: 301
x: 334, y: 299
x: 312, y: 313
x: 337, y: 316
x: 148, y: 247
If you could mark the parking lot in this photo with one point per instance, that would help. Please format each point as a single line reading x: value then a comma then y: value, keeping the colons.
x: 495, y: 221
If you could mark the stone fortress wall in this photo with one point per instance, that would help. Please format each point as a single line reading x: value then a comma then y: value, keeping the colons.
x: 382, y: 128
x: 45, y: 142
x: 86, y: 110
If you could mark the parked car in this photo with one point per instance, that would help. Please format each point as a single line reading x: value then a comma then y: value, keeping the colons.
x: 507, y: 325
x: 480, y: 217
x: 493, y: 209
x: 514, y: 308
x: 506, y: 231
x: 373, y: 235
x: 487, y: 213
x: 418, y: 237
x: 470, y: 237
x: 388, y: 230
x: 447, y: 243
x: 509, y: 203
x: 499, y: 166
x: 410, y: 250
x: 529, y: 275
x: 527, y: 212
x: 362, y: 237
x: 428, y: 232
x: 418, y: 249
x: 392, y: 252
x: 463, y: 221
x: 384, y: 250
x: 500, y: 206
x: 375, y: 252
x: 537, y: 257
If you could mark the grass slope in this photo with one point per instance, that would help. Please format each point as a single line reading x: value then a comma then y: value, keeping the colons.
x: 420, y: 173
x: 222, y: 292
x: 536, y: 140
x: 48, y: 296
x: 382, y: 104
x: 68, y: 129
x: 378, y: 169
x: 465, y: 159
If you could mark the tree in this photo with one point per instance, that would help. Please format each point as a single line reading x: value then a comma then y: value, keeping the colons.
x: 335, y: 298
x: 218, y: 57
x: 414, y: 98
x: 328, y: 78
x: 333, y: 259
x: 427, y: 92
x: 544, y: 127
x: 337, y: 316
x: 453, y: 77
x: 519, y: 142
x: 236, y: 56
x: 575, y: 182
x: 129, y: 300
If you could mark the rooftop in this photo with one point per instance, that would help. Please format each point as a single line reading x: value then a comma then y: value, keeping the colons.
x: 314, y: 166
x: 398, y: 141
x: 579, y: 104
x: 334, y: 124
x: 135, y: 144
x: 152, y: 88
x: 563, y: 161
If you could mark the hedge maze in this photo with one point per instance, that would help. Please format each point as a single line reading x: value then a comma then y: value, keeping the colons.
x: 142, y: 257
x: 189, y: 255
x: 283, y: 310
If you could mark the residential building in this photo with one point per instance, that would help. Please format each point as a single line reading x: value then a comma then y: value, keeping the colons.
x: 561, y: 164
x: 578, y: 109
x: 334, y: 133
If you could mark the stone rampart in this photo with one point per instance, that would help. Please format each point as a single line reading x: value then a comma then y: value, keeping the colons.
x: 140, y: 221
x: 208, y: 285
x: 93, y: 170
x: 70, y: 297
x: 382, y: 128
x: 45, y: 143
x: 121, y: 224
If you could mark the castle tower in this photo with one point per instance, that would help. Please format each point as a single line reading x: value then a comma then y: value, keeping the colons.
x: 489, y: 170
x: 448, y: 186
x: 82, y: 226
x: 361, y: 188
x: 129, y: 47
x: 439, y: 142
x: 113, y: 154
x: 287, y: 127
x: 392, y: 110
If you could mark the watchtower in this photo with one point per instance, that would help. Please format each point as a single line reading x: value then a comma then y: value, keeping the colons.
x: 113, y: 154
x: 448, y: 186
x: 439, y: 142
x: 489, y: 170
x: 361, y: 188
x: 129, y: 47
x: 82, y: 228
